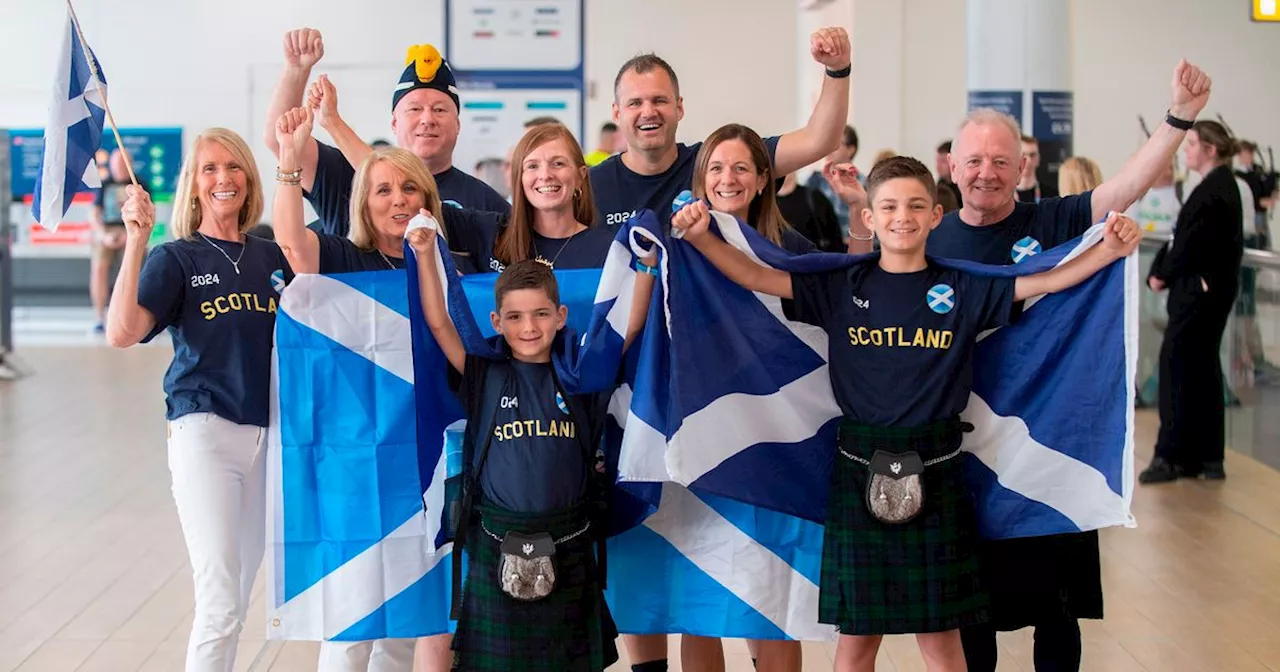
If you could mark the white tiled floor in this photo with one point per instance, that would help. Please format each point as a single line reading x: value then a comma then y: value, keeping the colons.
x: 93, y: 572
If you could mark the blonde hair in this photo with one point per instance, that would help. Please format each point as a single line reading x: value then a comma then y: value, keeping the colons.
x: 1078, y: 175
x: 186, y: 202
x: 516, y: 239
x: 762, y: 213
x: 882, y: 156
x: 362, y: 232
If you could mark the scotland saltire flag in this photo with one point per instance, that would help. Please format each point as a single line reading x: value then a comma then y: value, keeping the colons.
x: 352, y: 553
x: 751, y: 414
x: 74, y: 131
x: 683, y: 562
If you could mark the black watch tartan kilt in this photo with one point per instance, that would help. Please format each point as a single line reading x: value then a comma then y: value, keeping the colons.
x: 920, y: 576
x: 570, y: 630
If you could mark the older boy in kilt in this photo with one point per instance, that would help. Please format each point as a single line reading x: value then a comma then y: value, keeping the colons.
x: 533, y: 488
x: 899, y: 553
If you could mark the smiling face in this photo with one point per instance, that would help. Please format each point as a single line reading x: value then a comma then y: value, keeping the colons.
x: 550, y: 177
x: 221, y: 181
x: 647, y: 109
x: 426, y: 123
x: 732, y: 178
x: 394, y: 198
x: 902, y: 214
x: 528, y: 320
x: 985, y: 163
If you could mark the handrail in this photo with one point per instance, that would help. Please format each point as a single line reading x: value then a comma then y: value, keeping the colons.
x: 1252, y: 258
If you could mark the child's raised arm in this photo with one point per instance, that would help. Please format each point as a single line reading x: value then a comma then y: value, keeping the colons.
x: 1121, y: 236
x: 434, y: 307
x: 694, y: 220
x: 646, y: 270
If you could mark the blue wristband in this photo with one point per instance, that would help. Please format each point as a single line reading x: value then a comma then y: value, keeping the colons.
x: 645, y: 268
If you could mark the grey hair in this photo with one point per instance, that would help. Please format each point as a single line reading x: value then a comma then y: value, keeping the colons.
x: 986, y: 116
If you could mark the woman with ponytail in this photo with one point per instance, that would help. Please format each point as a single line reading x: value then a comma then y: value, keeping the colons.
x: 1201, y: 270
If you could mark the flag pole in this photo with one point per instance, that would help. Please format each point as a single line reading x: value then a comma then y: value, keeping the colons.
x: 93, y: 67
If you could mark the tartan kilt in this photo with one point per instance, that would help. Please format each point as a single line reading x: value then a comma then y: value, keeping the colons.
x: 920, y: 576
x: 569, y: 630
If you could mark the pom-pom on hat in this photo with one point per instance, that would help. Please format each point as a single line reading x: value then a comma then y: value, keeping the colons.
x: 425, y: 69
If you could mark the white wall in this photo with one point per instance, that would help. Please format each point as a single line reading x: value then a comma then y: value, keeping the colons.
x: 909, y: 71
x: 736, y: 59
x: 196, y: 65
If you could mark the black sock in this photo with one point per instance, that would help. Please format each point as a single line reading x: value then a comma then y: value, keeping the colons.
x: 1057, y: 646
x: 980, y: 651
x: 651, y: 666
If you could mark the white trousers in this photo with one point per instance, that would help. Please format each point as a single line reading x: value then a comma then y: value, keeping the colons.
x: 219, y: 485
x: 378, y: 655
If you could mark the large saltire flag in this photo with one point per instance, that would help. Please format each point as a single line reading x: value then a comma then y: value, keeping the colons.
x: 750, y: 413
x: 352, y: 550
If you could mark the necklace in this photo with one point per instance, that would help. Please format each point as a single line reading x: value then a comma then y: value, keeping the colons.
x: 386, y: 260
x: 235, y: 263
x: 552, y: 263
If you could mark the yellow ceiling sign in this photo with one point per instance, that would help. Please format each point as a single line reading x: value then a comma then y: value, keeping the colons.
x: 1266, y: 10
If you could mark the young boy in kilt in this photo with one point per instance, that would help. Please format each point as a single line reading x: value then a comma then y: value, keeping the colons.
x: 532, y: 482
x: 902, y: 330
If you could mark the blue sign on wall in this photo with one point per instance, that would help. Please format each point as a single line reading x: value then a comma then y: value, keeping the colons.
x: 156, y: 155
x: 1009, y: 102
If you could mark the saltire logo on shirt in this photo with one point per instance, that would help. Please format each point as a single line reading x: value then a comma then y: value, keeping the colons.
x: 1024, y: 249
x: 277, y: 280
x: 564, y: 408
x: 941, y: 299
x: 452, y: 203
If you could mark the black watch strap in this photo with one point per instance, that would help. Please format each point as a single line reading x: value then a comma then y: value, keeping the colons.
x: 841, y: 73
x: 1180, y: 124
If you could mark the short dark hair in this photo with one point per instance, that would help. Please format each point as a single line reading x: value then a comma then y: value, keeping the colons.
x: 526, y: 274
x: 646, y: 63
x: 538, y: 121
x: 379, y: 143
x: 850, y: 137
x: 944, y: 147
x: 608, y: 127
x: 898, y: 167
x: 1030, y: 140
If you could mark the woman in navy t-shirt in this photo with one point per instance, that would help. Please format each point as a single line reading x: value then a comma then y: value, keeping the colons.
x: 552, y: 216
x: 215, y: 290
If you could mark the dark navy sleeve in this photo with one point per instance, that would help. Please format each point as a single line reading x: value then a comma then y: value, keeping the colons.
x: 795, y: 243
x: 337, y: 254
x: 1062, y: 219
x: 161, y: 288
x: 771, y: 146
x: 813, y: 296
x: 494, y: 202
x: 471, y: 234
x: 330, y: 194
x: 994, y: 305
